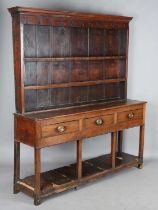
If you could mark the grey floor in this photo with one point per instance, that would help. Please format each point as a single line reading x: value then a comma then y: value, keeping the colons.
x: 132, y: 189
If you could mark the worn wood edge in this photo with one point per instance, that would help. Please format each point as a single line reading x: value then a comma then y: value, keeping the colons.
x: 21, y: 183
x: 64, y: 187
x: 25, y: 190
x: 92, y: 178
x: 110, y: 171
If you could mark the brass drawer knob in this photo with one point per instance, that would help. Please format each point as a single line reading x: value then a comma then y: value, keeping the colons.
x: 99, y: 121
x: 61, y: 129
x: 130, y: 115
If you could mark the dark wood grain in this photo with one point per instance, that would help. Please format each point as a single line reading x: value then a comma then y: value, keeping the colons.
x: 61, y: 46
x: 96, y: 92
x: 79, y: 71
x: 123, y: 42
x: 30, y: 74
x: 112, y: 42
x: 59, y: 53
x: 43, y: 69
x: 43, y: 98
x: 30, y: 41
x: 96, y: 42
x: 112, y: 91
x: 61, y: 96
x: 79, y: 94
x: 61, y: 72
x: 79, y: 42
x: 95, y: 70
x: 43, y: 41
x: 30, y: 100
x: 114, y: 69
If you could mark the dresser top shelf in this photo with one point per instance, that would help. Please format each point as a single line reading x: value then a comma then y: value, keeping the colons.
x: 68, y: 59
x: 80, y: 109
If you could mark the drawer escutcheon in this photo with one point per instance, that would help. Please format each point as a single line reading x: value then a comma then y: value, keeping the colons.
x: 99, y: 121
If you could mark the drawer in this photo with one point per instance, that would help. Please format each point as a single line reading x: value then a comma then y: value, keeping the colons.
x: 60, y: 128
x: 130, y: 115
x: 99, y: 121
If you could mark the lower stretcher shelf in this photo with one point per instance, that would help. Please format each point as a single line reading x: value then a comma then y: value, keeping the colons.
x: 65, y: 178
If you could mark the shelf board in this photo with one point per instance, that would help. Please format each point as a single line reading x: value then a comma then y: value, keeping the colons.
x: 51, y: 59
x: 74, y: 84
x: 65, y: 178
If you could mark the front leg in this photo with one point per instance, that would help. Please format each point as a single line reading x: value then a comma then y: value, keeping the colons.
x: 113, y: 149
x: 141, y: 147
x: 37, y: 157
x: 16, y: 188
x: 120, y: 141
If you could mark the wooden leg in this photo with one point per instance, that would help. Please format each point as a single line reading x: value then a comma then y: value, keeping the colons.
x: 113, y: 148
x: 37, y: 157
x: 120, y: 140
x: 141, y: 146
x: 79, y: 159
x: 16, y: 166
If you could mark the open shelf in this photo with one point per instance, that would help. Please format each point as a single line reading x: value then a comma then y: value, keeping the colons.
x: 51, y: 59
x: 65, y: 178
x: 74, y: 84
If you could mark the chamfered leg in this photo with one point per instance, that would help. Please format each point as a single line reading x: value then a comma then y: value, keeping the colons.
x: 79, y: 159
x: 113, y: 148
x: 141, y: 146
x: 37, y: 159
x: 120, y: 142
x: 16, y: 166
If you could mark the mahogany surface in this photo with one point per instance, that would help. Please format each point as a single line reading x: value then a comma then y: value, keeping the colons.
x: 71, y: 83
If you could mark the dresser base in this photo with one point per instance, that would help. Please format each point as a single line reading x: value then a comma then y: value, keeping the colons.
x: 65, y: 178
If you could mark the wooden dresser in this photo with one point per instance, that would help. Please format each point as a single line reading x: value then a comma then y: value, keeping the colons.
x: 71, y: 84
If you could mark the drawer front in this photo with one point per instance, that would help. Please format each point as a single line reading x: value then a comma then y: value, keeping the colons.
x: 130, y: 115
x: 60, y: 128
x: 99, y: 121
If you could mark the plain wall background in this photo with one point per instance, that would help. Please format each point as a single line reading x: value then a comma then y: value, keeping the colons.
x: 142, y: 78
